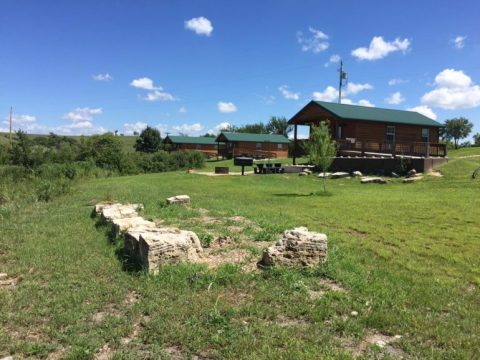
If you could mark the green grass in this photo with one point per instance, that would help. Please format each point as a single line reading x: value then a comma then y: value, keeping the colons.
x: 469, y: 151
x: 407, y: 254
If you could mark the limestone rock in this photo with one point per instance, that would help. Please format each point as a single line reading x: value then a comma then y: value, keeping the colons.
x: 179, y: 199
x: 340, y: 174
x: 167, y: 245
x: 357, y: 174
x: 412, y: 179
x: 324, y: 175
x: 303, y: 173
x: 297, y: 247
x: 412, y: 173
x: 122, y: 225
x: 119, y: 211
x: 373, y: 180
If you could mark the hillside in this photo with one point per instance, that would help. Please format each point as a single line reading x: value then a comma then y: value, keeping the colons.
x: 403, y: 260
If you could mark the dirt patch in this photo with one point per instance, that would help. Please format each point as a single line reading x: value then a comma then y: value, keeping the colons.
x: 435, y: 173
x: 236, y: 297
x: 176, y: 353
x: 213, y: 174
x: 383, y: 342
x: 235, y: 229
x: 236, y: 257
x: 131, y: 298
x: 7, y: 282
x: 104, y: 353
x: 358, y: 233
x: 284, y: 321
x: 57, y: 354
x: 326, y: 285
x: 221, y: 241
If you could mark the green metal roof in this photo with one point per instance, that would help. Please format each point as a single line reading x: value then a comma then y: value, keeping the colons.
x: 229, y: 136
x: 204, y: 140
x: 366, y: 113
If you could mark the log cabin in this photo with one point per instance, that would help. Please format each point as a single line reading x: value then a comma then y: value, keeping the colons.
x: 203, y: 144
x: 370, y: 131
x: 254, y: 145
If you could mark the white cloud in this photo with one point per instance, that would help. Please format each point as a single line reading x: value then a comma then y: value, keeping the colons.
x: 82, y: 114
x: 334, y: 59
x: 156, y: 94
x: 130, y: 128
x: 454, y: 90
x: 380, y: 48
x: 362, y: 102
x: 102, y: 77
x: 219, y: 127
x: 200, y: 25
x: 189, y: 129
x: 329, y: 94
x: 226, y: 107
x: 459, y: 42
x: 317, y: 43
x: 143, y: 83
x: 353, y: 88
x: 182, y: 109
x: 424, y: 110
x: 287, y: 94
x: 393, y: 82
x: 159, y: 95
x: 18, y: 119
x: 395, y: 99
x: 452, y: 78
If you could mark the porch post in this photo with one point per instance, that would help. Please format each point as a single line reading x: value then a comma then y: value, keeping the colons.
x: 294, y: 144
x: 427, y: 146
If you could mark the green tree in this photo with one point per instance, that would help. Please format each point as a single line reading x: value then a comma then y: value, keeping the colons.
x: 149, y: 140
x: 21, y: 152
x: 476, y: 139
x: 321, y: 148
x: 256, y: 128
x: 105, y: 150
x: 278, y: 125
x: 457, y: 128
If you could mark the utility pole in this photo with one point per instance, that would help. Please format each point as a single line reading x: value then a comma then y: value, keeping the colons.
x: 11, y: 144
x: 343, y: 76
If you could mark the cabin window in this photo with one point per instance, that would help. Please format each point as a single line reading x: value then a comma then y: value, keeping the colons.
x: 258, y: 146
x: 198, y: 147
x: 279, y: 146
x: 390, y: 133
x: 339, y: 131
x: 425, y: 135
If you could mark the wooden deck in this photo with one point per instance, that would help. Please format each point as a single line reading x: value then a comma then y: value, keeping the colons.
x: 373, y: 148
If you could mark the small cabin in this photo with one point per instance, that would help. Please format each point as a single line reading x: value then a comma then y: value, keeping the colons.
x: 254, y: 145
x: 370, y: 131
x: 203, y: 144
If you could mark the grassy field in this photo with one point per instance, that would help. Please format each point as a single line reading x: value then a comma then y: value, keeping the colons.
x: 405, y: 257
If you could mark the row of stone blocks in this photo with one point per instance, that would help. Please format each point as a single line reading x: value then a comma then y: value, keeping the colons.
x: 151, y: 246
x: 144, y: 242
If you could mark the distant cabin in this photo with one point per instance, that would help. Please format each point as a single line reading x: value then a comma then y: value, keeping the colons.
x: 255, y: 145
x: 203, y: 144
x: 372, y: 131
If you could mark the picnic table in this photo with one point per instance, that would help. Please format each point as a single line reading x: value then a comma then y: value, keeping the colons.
x: 269, y: 168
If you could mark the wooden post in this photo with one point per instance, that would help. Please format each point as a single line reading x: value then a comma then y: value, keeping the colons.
x: 294, y: 144
x: 427, y: 149
x: 11, y: 143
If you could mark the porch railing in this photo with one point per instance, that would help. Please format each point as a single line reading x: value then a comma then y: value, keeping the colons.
x: 393, y: 148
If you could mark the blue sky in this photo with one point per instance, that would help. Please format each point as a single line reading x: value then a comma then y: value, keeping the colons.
x: 83, y: 67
